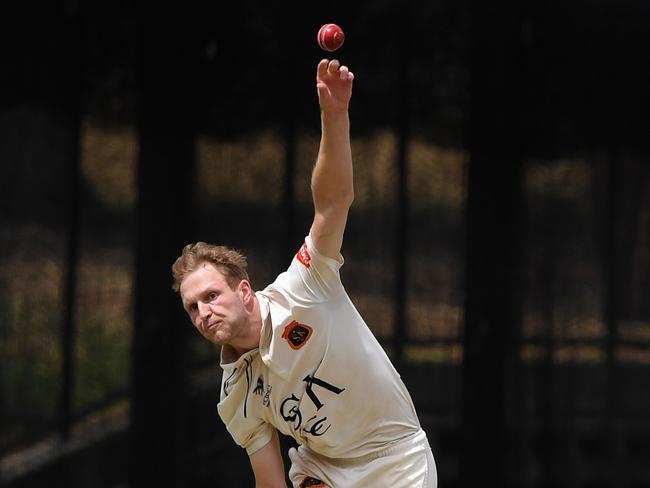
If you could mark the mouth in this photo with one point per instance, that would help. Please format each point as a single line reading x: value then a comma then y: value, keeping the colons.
x: 213, y: 325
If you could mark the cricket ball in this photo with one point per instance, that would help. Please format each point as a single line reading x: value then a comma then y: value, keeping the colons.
x: 330, y: 37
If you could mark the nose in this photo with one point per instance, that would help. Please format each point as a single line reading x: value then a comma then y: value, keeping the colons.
x: 204, y: 310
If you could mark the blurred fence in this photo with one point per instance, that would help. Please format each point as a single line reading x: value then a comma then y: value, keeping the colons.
x: 499, y: 244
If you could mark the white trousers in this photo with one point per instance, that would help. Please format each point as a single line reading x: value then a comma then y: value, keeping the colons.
x: 408, y: 463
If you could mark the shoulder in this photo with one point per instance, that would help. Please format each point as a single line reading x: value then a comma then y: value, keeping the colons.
x: 311, y: 275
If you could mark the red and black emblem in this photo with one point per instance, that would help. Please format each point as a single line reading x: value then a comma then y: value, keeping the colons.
x: 297, y: 335
x: 309, y: 481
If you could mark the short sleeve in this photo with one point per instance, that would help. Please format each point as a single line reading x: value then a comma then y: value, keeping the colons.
x: 238, y: 414
x: 312, y: 276
x: 250, y: 433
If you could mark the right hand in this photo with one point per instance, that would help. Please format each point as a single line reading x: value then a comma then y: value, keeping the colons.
x: 334, y: 85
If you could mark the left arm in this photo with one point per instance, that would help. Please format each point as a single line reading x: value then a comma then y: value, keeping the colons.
x: 332, y: 180
x: 268, y: 466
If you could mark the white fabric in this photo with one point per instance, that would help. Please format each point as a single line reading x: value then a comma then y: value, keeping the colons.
x: 319, y: 374
x: 408, y: 463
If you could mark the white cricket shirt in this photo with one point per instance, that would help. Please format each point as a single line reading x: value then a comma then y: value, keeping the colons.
x: 319, y: 374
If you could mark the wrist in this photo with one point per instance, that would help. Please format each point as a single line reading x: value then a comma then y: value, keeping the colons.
x: 334, y: 114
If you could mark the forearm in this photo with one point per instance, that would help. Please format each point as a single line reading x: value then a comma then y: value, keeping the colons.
x: 332, y: 177
x: 268, y: 466
x: 331, y: 182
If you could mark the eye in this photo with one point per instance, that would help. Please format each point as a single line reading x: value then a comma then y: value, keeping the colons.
x: 193, y: 307
x: 212, y: 296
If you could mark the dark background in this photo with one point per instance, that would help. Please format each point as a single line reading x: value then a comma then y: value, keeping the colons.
x: 499, y: 245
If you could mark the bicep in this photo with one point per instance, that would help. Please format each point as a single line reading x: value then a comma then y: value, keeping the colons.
x: 268, y: 466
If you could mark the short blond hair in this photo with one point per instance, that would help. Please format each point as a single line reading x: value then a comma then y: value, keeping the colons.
x: 230, y: 262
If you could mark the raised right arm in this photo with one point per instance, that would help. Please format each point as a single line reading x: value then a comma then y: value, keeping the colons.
x: 332, y: 180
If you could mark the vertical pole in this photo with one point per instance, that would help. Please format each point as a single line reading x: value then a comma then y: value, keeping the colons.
x: 402, y: 225
x: 611, y: 314
x: 163, y: 218
x: 73, y: 95
x: 494, y: 247
x: 290, y: 246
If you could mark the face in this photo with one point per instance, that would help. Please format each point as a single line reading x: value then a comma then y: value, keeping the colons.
x: 218, y: 312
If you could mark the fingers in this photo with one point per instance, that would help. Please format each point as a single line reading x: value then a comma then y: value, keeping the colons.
x: 345, y: 73
x: 322, y: 67
x: 333, y: 66
x: 325, y: 67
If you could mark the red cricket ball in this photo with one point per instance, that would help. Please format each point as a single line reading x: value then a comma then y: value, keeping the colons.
x: 330, y: 37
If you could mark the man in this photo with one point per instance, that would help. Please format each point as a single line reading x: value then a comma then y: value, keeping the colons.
x: 297, y: 356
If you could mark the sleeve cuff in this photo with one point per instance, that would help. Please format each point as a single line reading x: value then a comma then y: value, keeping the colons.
x: 260, y: 441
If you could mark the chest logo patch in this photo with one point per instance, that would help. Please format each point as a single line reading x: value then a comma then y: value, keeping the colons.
x: 296, y: 334
x: 303, y: 256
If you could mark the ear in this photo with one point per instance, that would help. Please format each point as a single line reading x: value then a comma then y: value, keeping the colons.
x: 246, y: 291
